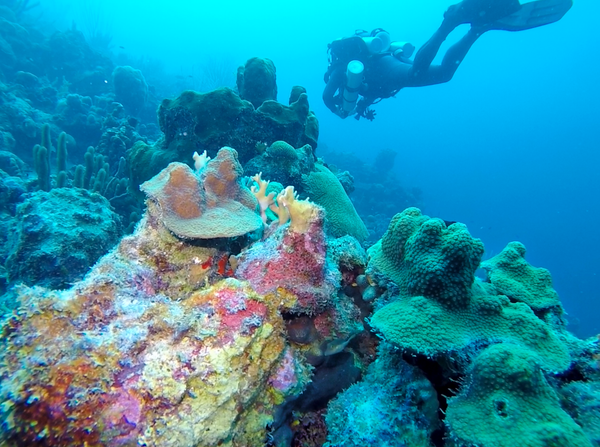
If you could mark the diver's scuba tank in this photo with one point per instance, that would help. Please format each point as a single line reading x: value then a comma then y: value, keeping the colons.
x: 378, y: 41
x: 402, y: 50
x: 354, y: 77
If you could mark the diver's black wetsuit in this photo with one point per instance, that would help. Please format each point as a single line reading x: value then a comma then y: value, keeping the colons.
x: 385, y: 75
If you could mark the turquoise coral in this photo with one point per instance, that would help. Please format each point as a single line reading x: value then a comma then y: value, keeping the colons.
x: 514, y: 277
x: 424, y: 257
x: 425, y: 326
x: 504, y: 339
x: 440, y: 307
x: 323, y: 187
x: 507, y: 400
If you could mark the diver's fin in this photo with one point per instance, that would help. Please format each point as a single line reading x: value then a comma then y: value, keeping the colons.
x: 481, y: 12
x: 532, y: 15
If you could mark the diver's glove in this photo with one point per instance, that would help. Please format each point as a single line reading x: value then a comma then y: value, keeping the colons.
x: 370, y: 114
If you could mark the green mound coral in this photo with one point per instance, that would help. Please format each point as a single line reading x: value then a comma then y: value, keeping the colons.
x: 507, y: 400
x: 428, y: 327
x: 323, y: 188
x: 283, y: 151
x: 438, y: 306
x: 514, y: 277
x: 425, y: 258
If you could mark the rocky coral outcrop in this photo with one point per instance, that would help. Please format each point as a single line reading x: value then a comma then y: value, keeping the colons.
x: 178, y: 343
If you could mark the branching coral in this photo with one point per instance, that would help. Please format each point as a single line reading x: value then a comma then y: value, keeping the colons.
x: 265, y: 200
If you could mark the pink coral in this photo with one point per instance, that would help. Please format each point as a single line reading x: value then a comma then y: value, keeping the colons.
x: 122, y: 415
x: 285, y: 377
x: 293, y: 263
x: 99, y: 364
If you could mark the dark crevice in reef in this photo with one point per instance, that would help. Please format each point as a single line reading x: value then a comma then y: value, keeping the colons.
x: 446, y: 384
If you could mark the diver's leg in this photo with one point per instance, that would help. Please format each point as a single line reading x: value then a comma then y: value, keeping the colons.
x: 480, y: 14
x: 427, y: 52
x: 438, y: 74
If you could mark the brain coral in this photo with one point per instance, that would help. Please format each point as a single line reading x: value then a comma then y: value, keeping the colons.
x: 213, y: 205
x: 323, y: 188
x: 283, y: 151
x: 514, y: 277
x: 507, y: 398
x: 284, y: 164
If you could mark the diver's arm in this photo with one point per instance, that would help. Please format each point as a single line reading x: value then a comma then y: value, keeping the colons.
x: 362, y: 105
x: 335, y: 83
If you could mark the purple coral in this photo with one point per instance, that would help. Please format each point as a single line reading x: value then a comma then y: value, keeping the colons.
x: 285, y: 377
x: 292, y: 263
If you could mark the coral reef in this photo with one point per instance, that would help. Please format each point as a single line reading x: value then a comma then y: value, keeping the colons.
x: 59, y: 235
x: 235, y: 312
x: 207, y: 121
x: 159, y: 345
x: 394, y: 405
x: 441, y: 307
x: 497, y: 352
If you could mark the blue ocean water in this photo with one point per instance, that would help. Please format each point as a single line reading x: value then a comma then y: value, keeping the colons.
x: 510, y: 146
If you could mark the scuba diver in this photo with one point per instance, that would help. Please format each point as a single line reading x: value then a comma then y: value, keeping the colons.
x: 370, y: 66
